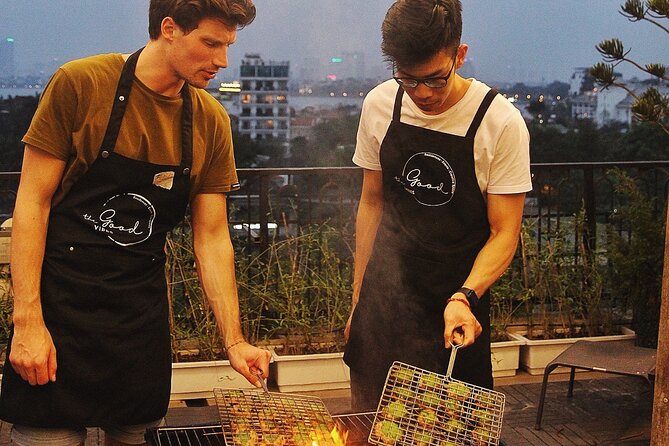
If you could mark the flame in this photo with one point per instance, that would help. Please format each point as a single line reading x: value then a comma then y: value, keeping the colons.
x: 339, y: 436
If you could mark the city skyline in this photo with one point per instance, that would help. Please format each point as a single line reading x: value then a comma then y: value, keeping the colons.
x: 515, y: 40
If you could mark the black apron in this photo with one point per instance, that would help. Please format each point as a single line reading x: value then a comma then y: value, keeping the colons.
x: 103, y: 288
x: 433, y: 226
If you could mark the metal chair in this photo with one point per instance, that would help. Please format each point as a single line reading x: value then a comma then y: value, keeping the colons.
x: 617, y: 357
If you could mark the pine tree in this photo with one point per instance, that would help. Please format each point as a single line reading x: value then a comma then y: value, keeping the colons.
x: 650, y: 105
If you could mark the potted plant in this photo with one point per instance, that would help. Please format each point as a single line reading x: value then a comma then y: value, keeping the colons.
x: 506, y: 299
x: 198, y: 355
x: 564, y: 295
x: 303, y: 284
x: 636, y: 241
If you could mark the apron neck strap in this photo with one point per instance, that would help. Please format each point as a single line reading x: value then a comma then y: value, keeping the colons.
x: 120, y: 101
x: 397, y: 109
x: 480, y: 113
x: 121, y: 97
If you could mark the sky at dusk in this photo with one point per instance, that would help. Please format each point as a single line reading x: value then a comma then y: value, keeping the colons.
x: 510, y: 40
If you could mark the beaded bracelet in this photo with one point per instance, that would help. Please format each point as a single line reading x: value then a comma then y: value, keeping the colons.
x: 228, y: 347
x: 458, y: 299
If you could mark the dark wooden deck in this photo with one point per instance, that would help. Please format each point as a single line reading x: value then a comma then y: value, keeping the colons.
x: 606, y: 410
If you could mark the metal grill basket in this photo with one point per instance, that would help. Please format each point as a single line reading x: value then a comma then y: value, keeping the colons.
x: 423, y: 408
x: 253, y: 417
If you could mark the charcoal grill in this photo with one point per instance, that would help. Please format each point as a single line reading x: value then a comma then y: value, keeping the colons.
x: 211, y: 435
x: 357, y: 425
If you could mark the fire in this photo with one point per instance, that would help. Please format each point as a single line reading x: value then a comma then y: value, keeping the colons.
x: 339, y: 436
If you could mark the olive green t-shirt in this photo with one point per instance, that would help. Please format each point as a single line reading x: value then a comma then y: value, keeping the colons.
x: 71, y: 120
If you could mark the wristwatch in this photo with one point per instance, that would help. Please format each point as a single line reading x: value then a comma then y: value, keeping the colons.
x: 471, y: 296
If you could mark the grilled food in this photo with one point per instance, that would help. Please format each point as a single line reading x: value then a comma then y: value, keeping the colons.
x: 395, y: 410
x: 427, y: 417
x: 458, y: 391
x: 429, y: 381
x: 388, y: 432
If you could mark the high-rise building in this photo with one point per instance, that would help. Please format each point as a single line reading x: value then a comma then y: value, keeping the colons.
x: 264, y: 99
x: 7, y: 67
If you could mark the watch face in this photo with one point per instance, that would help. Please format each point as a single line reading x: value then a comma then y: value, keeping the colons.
x: 472, y: 298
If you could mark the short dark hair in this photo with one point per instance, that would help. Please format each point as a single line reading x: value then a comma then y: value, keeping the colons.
x: 188, y: 13
x: 415, y: 30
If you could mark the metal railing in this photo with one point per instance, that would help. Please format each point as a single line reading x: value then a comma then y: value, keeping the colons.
x: 278, y: 202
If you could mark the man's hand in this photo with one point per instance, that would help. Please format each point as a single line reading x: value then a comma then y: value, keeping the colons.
x: 244, y: 357
x: 461, y: 327
x: 33, y: 354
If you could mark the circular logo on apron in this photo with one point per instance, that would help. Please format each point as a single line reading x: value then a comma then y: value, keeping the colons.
x: 429, y: 178
x: 126, y: 219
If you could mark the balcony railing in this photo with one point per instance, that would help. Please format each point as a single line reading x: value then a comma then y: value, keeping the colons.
x: 280, y: 201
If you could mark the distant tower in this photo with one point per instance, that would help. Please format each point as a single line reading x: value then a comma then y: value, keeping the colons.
x: 7, y: 67
x: 264, y: 99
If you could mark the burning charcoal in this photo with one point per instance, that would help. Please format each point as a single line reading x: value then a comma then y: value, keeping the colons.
x: 395, y: 410
x: 458, y: 391
x: 429, y: 381
x: 388, y: 432
x: 427, y: 417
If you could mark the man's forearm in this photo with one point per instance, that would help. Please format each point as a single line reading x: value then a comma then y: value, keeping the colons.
x: 492, y: 261
x: 29, y: 226
x: 217, y: 276
x: 505, y: 214
x: 367, y: 225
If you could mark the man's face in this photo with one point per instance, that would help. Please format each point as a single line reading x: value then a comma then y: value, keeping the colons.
x: 197, y: 56
x: 434, y: 101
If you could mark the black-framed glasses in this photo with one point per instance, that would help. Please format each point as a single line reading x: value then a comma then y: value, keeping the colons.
x: 431, y: 82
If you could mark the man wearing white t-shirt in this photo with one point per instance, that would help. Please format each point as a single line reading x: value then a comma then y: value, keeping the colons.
x: 446, y: 169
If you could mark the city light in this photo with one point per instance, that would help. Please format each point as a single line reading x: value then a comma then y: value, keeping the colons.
x: 230, y: 87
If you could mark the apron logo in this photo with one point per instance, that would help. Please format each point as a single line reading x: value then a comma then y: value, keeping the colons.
x: 428, y: 178
x: 126, y: 219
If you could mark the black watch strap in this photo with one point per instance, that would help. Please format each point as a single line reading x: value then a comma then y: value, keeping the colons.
x: 471, y: 296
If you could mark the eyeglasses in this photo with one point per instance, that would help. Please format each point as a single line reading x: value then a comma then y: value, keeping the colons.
x: 430, y: 82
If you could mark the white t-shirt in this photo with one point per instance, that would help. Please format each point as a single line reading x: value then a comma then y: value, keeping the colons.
x: 501, y: 145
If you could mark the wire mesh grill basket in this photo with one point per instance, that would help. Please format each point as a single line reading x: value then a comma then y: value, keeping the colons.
x: 423, y: 408
x: 254, y: 417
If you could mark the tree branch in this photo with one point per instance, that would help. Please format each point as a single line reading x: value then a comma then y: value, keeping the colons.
x: 659, y: 25
x: 644, y: 69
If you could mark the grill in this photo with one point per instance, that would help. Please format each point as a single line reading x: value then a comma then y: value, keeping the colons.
x: 419, y: 407
x: 182, y: 436
x: 252, y: 416
x: 357, y: 425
